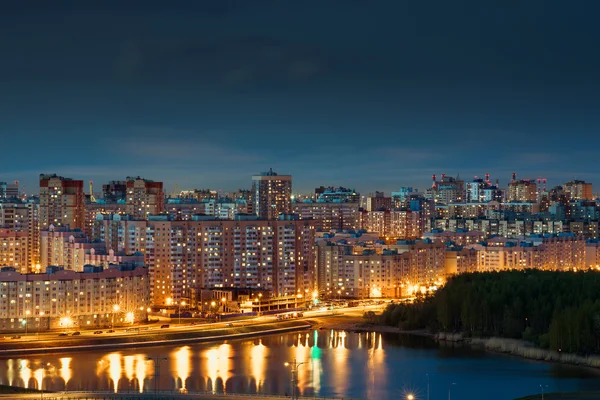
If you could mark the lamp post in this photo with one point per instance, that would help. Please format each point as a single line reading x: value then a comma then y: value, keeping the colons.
x: 450, y: 389
x: 294, y: 366
x: 181, y: 303
x: 116, y: 309
x: 427, y: 386
x: 156, y: 361
x: 259, y: 303
x: 410, y: 396
x: 40, y: 323
x: 543, y: 386
x: 27, y: 312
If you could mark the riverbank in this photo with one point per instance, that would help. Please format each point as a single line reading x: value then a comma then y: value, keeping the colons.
x: 152, y: 339
x: 564, y: 396
x: 521, y: 348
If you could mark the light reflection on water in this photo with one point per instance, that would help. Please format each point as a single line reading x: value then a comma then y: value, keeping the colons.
x: 334, y: 363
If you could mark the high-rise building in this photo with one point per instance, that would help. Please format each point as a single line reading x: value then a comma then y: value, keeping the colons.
x: 447, y: 190
x: 9, y: 190
x: 272, y: 194
x: 23, y: 217
x: 13, y: 250
x: 379, y: 202
x: 579, y: 190
x: 184, y: 256
x: 522, y: 191
x: 144, y: 197
x: 62, y: 202
x: 114, y: 191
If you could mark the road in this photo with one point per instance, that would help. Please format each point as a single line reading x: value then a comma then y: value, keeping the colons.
x: 150, y: 329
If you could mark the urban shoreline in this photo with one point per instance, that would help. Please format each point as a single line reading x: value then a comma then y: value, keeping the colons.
x: 211, y: 335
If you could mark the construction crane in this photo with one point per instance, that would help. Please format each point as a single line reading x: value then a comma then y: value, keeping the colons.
x: 92, y: 198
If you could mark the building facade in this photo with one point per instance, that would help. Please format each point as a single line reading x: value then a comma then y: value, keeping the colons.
x: 62, y: 202
x: 272, y: 195
x: 144, y: 197
x: 96, y: 297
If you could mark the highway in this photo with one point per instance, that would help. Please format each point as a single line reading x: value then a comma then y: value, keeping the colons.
x: 55, y: 339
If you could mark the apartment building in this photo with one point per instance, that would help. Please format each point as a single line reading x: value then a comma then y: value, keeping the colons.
x: 183, y: 256
x: 23, y: 217
x: 62, y: 202
x: 14, y: 250
x: 65, y: 299
x: 66, y: 247
x: 272, y: 195
x: 144, y: 197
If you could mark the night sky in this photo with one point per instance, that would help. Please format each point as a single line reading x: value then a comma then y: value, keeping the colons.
x: 365, y: 94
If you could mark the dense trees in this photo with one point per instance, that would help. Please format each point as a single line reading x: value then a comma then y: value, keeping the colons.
x: 556, y: 310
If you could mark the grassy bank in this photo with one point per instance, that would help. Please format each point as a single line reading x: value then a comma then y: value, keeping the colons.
x: 150, y: 339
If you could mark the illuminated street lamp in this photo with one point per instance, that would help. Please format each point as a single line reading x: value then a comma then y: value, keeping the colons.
x: 259, y: 302
x: 130, y: 317
x: 40, y: 322
x: 116, y: 309
x: 450, y: 389
x: 294, y: 366
x: 27, y: 312
x: 543, y: 386
x: 410, y: 396
x: 181, y: 303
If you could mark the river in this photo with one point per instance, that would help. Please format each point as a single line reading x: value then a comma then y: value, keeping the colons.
x: 335, y: 363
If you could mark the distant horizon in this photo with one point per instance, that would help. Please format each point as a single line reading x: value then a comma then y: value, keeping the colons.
x: 305, y: 189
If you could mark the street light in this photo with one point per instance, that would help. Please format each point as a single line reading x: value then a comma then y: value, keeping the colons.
x: 294, y: 366
x: 181, y: 303
x: 156, y: 361
x: 27, y: 312
x: 450, y: 389
x: 116, y: 309
x: 543, y: 386
x: 410, y: 396
x: 259, y: 302
x: 40, y: 322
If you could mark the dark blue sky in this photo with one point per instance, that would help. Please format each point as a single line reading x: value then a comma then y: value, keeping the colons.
x: 372, y: 95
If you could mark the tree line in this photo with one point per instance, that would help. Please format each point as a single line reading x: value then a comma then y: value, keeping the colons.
x: 555, y: 310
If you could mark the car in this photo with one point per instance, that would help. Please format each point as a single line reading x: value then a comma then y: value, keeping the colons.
x: 110, y: 331
x: 76, y: 333
x: 229, y: 325
x: 97, y: 332
x: 16, y: 337
x: 63, y: 334
x: 164, y: 326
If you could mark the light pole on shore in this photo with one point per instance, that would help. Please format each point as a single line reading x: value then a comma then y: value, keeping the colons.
x: 543, y: 386
x: 27, y: 312
x: 450, y: 389
x: 427, y: 386
x: 294, y: 366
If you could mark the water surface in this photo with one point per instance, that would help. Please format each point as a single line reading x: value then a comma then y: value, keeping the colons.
x: 334, y: 363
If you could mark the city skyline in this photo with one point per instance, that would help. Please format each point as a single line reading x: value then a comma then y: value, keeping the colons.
x: 206, y: 95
